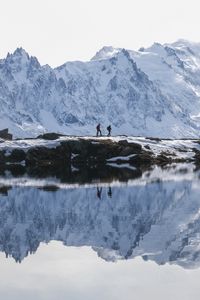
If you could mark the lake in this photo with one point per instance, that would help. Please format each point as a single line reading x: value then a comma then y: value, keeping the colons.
x: 133, y: 234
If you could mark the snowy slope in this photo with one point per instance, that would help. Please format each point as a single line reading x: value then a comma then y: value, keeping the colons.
x: 150, y: 92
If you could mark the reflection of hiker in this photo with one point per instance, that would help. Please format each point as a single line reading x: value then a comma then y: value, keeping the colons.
x: 109, y: 192
x: 99, y: 191
x: 109, y: 130
x: 99, y: 130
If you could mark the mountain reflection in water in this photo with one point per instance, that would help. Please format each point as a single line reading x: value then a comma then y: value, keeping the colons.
x: 154, y: 215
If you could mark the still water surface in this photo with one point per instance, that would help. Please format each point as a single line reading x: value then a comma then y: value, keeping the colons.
x: 111, y: 239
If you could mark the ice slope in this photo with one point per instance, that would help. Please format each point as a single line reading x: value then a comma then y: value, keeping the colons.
x: 150, y: 92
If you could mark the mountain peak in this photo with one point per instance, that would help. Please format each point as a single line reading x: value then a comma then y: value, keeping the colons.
x: 106, y: 52
x: 19, y: 56
x: 20, y: 52
x: 183, y: 42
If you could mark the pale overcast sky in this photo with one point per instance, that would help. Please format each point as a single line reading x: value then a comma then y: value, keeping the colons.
x: 60, y: 30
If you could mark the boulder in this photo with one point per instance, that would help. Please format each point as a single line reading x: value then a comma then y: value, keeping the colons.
x: 49, y: 136
x: 4, y: 134
x: 131, y: 148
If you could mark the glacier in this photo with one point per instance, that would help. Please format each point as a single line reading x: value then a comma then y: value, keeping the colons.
x: 149, y: 92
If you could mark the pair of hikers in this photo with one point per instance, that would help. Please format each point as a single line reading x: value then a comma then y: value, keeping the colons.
x: 99, y: 133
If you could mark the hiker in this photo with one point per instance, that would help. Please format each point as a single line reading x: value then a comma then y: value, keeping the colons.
x: 109, y: 130
x: 99, y: 130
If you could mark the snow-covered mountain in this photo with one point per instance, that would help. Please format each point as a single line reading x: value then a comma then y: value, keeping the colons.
x: 151, y: 92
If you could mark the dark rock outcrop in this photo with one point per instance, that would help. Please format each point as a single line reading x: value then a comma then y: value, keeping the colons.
x: 17, y: 155
x: 84, y: 153
x: 49, y: 136
x: 4, y: 134
x: 79, y: 153
x: 45, y: 156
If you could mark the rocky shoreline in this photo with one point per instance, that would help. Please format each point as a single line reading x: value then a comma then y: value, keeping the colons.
x: 88, y: 152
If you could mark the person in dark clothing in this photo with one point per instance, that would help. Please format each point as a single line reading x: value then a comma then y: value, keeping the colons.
x: 99, y: 130
x: 109, y: 130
